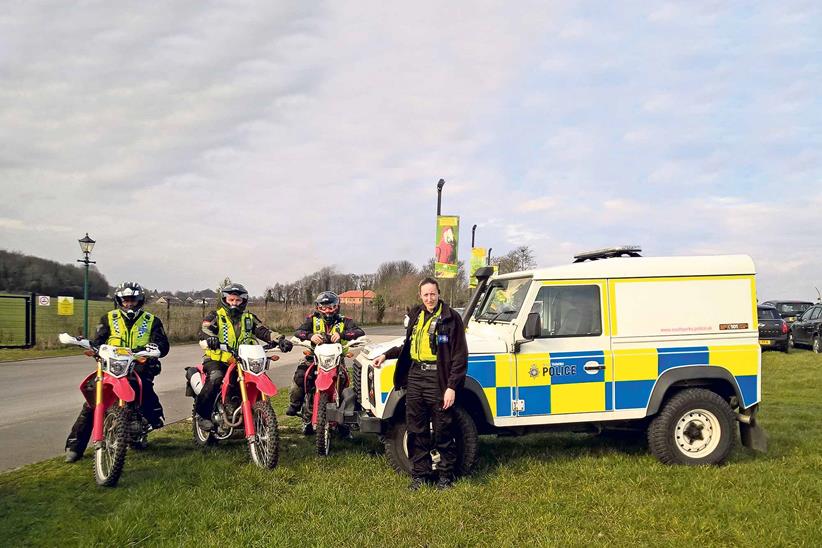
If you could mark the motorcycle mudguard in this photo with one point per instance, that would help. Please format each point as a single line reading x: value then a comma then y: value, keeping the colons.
x: 87, y: 388
x: 259, y: 384
x: 227, y: 380
x: 114, y: 389
x: 121, y: 387
x: 325, y: 380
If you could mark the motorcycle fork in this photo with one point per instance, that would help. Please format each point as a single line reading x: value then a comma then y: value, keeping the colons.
x: 248, y: 418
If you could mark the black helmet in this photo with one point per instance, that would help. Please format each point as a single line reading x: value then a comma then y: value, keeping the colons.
x: 234, y: 289
x: 130, y: 289
x: 328, y: 299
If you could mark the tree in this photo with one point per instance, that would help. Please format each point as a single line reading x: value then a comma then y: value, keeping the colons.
x: 516, y: 260
x: 380, y: 305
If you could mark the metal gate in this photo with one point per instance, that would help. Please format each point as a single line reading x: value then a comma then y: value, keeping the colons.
x: 17, y: 326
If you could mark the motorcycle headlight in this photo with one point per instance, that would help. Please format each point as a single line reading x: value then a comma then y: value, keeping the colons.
x: 256, y: 365
x: 118, y: 368
x: 327, y: 363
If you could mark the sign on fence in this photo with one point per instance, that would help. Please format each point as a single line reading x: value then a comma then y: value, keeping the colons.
x: 44, y: 300
x: 65, y: 306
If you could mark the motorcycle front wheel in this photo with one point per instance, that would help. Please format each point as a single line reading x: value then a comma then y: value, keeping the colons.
x: 323, y: 427
x: 264, y: 447
x: 110, y: 454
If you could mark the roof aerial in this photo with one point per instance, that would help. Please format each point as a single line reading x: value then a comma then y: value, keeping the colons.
x: 608, y: 253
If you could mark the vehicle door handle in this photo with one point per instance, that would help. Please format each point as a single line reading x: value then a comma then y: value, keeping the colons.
x: 594, y: 367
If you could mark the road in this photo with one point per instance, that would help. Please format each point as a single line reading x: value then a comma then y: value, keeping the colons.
x: 39, y: 399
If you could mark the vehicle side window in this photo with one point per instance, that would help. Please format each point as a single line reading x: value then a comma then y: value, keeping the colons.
x: 816, y: 312
x: 569, y: 311
x: 807, y: 315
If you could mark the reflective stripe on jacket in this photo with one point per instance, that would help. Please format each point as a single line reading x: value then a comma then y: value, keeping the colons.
x: 139, y: 334
x: 420, y: 339
x: 227, y: 335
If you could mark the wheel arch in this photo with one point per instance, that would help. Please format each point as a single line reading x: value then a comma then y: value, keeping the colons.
x: 717, y: 379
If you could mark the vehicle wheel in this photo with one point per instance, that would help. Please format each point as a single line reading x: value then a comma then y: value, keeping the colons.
x: 200, y: 436
x: 791, y: 342
x: 265, y: 447
x: 816, y: 346
x: 110, y: 455
x: 696, y: 426
x: 787, y: 348
x: 323, y: 427
x: 465, y: 436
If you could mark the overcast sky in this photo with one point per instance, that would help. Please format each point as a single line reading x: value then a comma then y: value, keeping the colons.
x: 262, y: 141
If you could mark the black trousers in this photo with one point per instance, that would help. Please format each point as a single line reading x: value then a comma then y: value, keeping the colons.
x: 204, y: 402
x: 150, y: 407
x: 423, y: 407
x: 296, y: 393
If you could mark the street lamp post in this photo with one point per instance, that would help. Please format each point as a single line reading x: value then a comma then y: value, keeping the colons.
x: 86, y: 245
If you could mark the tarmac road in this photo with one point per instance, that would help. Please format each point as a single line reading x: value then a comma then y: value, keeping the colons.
x: 39, y: 399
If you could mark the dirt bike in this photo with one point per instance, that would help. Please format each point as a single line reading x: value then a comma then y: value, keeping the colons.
x: 117, y: 418
x: 327, y: 393
x: 242, y: 403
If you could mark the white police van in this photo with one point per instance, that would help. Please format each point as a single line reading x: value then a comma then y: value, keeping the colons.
x: 669, y: 344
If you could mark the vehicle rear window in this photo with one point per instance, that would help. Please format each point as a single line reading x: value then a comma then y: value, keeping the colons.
x: 768, y: 314
x: 797, y: 308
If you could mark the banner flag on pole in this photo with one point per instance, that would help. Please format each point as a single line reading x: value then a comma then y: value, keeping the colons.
x: 445, y: 250
x: 478, y: 258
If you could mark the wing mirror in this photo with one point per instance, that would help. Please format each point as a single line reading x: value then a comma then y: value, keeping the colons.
x: 533, y: 326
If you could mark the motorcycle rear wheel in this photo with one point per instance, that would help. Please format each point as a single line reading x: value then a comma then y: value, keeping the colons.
x: 264, y: 448
x: 200, y: 436
x: 323, y: 431
x: 110, y: 454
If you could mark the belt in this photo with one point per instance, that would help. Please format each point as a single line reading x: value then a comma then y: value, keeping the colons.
x: 426, y: 366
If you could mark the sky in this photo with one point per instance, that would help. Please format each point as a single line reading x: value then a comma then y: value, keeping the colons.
x: 265, y: 140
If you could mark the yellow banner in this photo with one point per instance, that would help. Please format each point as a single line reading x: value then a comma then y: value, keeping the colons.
x: 478, y: 258
x: 65, y: 306
x: 445, y: 249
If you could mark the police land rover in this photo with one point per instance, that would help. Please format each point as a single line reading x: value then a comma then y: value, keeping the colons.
x: 668, y: 344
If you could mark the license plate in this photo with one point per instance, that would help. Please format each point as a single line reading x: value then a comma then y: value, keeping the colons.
x: 765, y: 343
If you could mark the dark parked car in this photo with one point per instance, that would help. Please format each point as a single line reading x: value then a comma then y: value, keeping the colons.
x: 790, y: 310
x: 773, y: 330
x: 807, y: 330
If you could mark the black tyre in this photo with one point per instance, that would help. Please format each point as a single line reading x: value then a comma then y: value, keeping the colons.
x: 265, y: 447
x: 200, y: 436
x: 787, y: 348
x: 465, y: 436
x: 696, y: 426
x: 110, y: 454
x: 323, y: 432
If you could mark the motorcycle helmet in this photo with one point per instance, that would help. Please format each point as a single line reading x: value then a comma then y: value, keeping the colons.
x: 130, y: 289
x: 238, y: 290
x: 328, y: 304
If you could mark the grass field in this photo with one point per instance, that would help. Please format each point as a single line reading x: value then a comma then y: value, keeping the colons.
x: 547, y: 490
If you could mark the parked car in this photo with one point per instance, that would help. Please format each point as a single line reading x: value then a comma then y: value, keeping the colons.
x: 807, y: 330
x: 790, y: 310
x: 773, y: 330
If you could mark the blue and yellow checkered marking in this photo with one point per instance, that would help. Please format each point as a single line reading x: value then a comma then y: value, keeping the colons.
x: 626, y: 381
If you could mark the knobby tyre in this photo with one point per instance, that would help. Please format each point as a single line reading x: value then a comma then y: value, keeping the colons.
x: 323, y: 432
x: 695, y: 426
x: 265, y: 447
x: 110, y: 455
x: 465, y: 436
x: 200, y: 436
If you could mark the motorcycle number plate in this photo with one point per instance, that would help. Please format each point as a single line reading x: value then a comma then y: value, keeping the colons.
x: 122, y: 352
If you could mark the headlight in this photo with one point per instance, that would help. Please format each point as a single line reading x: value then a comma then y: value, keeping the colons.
x: 257, y: 365
x: 118, y: 368
x: 327, y: 363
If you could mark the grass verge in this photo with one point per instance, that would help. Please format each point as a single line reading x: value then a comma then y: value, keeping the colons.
x: 547, y: 489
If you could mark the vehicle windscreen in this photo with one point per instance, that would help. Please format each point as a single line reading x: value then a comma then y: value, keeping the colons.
x: 793, y: 308
x: 503, y: 300
x: 768, y: 314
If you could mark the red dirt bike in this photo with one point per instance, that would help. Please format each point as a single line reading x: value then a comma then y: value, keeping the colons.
x: 117, y: 418
x: 242, y: 404
x: 325, y: 379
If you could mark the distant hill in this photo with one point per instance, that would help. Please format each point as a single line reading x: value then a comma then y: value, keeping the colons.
x: 19, y: 272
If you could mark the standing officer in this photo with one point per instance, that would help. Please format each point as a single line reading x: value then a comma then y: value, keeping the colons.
x: 432, y: 363
x: 130, y: 326
x: 232, y: 326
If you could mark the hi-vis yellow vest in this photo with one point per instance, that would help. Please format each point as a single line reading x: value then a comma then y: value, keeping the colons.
x: 227, y: 336
x: 339, y: 327
x: 138, y: 335
x: 420, y: 341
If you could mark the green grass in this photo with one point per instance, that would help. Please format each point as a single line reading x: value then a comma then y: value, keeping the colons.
x: 15, y: 354
x: 547, y: 489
